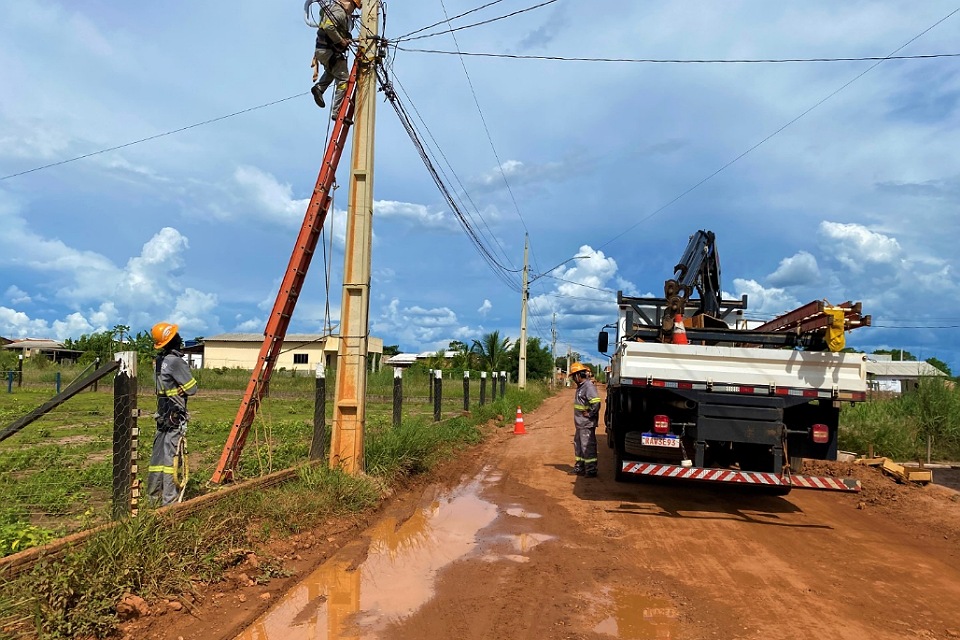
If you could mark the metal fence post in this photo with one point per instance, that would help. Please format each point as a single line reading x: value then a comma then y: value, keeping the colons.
x: 483, y: 387
x: 397, y: 395
x: 319, y: 442
x: 466, y: 391
x: 437, y: 394
x: 126, y: 486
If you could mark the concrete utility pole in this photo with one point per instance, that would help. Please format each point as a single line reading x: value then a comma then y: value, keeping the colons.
x: 553, y: 351
x: 525, y: 293
x: 349, y: 411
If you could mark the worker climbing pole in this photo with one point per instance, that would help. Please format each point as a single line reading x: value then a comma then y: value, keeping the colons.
x: 361, y: 81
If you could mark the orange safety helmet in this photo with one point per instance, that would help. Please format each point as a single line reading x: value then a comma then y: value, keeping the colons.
x: 163, y: 333
x: 578, y: 367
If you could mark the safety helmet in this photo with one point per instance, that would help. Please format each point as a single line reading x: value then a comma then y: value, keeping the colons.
x: 163, y: 333
x: 578, y: 367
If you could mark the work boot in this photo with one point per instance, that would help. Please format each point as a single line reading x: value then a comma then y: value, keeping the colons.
x: 318, y: 95
x: 590, y: 474
x: 347, y: 121
x: 577, y: 470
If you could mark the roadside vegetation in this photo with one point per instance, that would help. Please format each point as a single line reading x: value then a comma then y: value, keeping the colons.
x: 75, y: 595
x: 900, y: 426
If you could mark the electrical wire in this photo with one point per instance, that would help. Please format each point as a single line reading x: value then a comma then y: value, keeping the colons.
x: 778, y: 131
x: 447, y: 20
x: 510, y: 56
x: 476, y: 24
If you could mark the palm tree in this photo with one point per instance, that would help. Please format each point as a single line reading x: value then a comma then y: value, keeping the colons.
x: 493, y: 351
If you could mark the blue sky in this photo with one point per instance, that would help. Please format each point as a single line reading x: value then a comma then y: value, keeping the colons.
x: 856, y: 200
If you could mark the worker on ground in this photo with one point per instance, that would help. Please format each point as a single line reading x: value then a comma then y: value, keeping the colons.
x: 333, y: 39
x: 586, y: 414
x: 174, y: 383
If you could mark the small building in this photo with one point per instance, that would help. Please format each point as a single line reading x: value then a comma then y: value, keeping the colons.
x: 300, y: 351
x: 31, y: 347
x: 4, y: 341
x: 407, y: 359
x: 897, y: 376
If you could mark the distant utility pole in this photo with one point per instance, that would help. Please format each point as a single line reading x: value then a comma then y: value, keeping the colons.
x: 567, y: 381
x: 525, y: 293
x: 553, y: 351
x: 349, y: 410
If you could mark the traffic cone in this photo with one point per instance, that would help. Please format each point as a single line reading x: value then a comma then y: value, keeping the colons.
x: 518, y: 429
x: 679, y: 331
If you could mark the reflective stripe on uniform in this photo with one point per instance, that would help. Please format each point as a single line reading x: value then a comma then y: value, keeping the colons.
x: 595, y: 400
x: 581, y: 407
x: 159, y: 469
x: 176, y: 391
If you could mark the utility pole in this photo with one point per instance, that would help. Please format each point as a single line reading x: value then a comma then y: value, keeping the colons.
x: 525, y: 293
x: 567, y: 381
x: 553, y: 351
x: 349, y: 411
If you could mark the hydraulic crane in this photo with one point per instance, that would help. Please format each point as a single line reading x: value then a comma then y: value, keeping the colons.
x: 279, y: 319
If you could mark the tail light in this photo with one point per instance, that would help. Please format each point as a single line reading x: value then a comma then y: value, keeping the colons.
x: 820, y: 433
x: 661, y: 424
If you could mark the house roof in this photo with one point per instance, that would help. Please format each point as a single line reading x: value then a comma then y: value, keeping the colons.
x: 401, y: 360
x: 41, y: 344
x: 901, y: 369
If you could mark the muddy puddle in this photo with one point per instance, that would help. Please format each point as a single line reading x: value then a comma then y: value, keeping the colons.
x: 347, y: 599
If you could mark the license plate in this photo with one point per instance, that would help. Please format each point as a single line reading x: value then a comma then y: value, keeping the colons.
x: 660, y: 441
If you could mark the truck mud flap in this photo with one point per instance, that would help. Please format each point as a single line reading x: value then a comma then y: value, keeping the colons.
x: 755, y: 478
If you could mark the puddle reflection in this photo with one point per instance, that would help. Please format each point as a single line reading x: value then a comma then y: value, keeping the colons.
x: 396, y: 578
x: 638, y: 616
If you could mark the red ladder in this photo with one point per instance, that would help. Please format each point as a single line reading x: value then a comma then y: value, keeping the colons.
x: 290, y: 288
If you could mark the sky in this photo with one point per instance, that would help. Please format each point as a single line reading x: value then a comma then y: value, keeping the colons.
x: 833, y: 180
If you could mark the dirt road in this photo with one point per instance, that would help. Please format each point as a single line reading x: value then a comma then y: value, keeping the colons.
x: 510, y: 546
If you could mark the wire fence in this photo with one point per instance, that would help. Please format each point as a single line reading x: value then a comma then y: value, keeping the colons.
x: 83, y: 463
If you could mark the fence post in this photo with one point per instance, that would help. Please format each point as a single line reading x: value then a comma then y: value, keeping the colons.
x: 429, y: 386
x: 437, y: 394
x: 493, y: 386
x: 58, y: 383
x: 126, y: 486
x: 96, y: 365
x: 483, y: 387
x: 397, y: 395
x: 19, y: 371
x: 319, y: 442
x: 503, y: 383
x: 9, y: 381
x: 466, y: 391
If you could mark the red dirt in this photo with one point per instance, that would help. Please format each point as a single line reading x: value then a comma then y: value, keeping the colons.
x: 636, y: 559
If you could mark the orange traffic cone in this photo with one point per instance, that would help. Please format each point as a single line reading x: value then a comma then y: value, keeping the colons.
x: 679, y: 331
x: 518, y: 429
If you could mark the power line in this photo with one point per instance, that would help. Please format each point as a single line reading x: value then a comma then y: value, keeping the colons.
x: 154, y: 137
x: 447, y: 20
x: 476, y: 24
x: 511, y: 56
x: 757, y: 145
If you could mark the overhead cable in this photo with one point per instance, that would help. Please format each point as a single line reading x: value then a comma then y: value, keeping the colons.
x: 512, y: 56
x: 476, y: 24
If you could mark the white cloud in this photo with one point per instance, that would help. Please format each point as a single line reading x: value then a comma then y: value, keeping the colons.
x: 854, y: 245
x: 764, y: 302
x: 485, y: 307
x: 16, y: 295
x: 414, y: 213
x: 269, y: 196
x: 796, y: 270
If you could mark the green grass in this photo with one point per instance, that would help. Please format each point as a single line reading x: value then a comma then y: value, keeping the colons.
x: 75, y: 596
x: 898, y: 426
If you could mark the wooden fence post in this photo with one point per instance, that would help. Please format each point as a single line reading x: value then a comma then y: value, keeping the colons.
x: 437, y: 394
x: 466, y: 391
x: 483, y: 387
x: 397, y: 395
x: 319, y: 442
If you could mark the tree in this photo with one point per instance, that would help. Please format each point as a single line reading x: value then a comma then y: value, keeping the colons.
x: 492, y: 351
x: 941, y: 365
x: 391, y: 349
x: 463, y: 358
x: 539, y: 359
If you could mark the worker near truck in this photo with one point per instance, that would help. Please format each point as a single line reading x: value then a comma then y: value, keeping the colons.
x: 174, y: 384
x: 586, y: 414
x: 333, y: 40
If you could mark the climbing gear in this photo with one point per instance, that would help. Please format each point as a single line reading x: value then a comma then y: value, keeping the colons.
x: 181, y: 467
x: 308, y: 16
x: 163, y: 333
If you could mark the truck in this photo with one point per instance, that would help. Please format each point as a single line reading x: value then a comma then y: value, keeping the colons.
x: 696, y: 393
